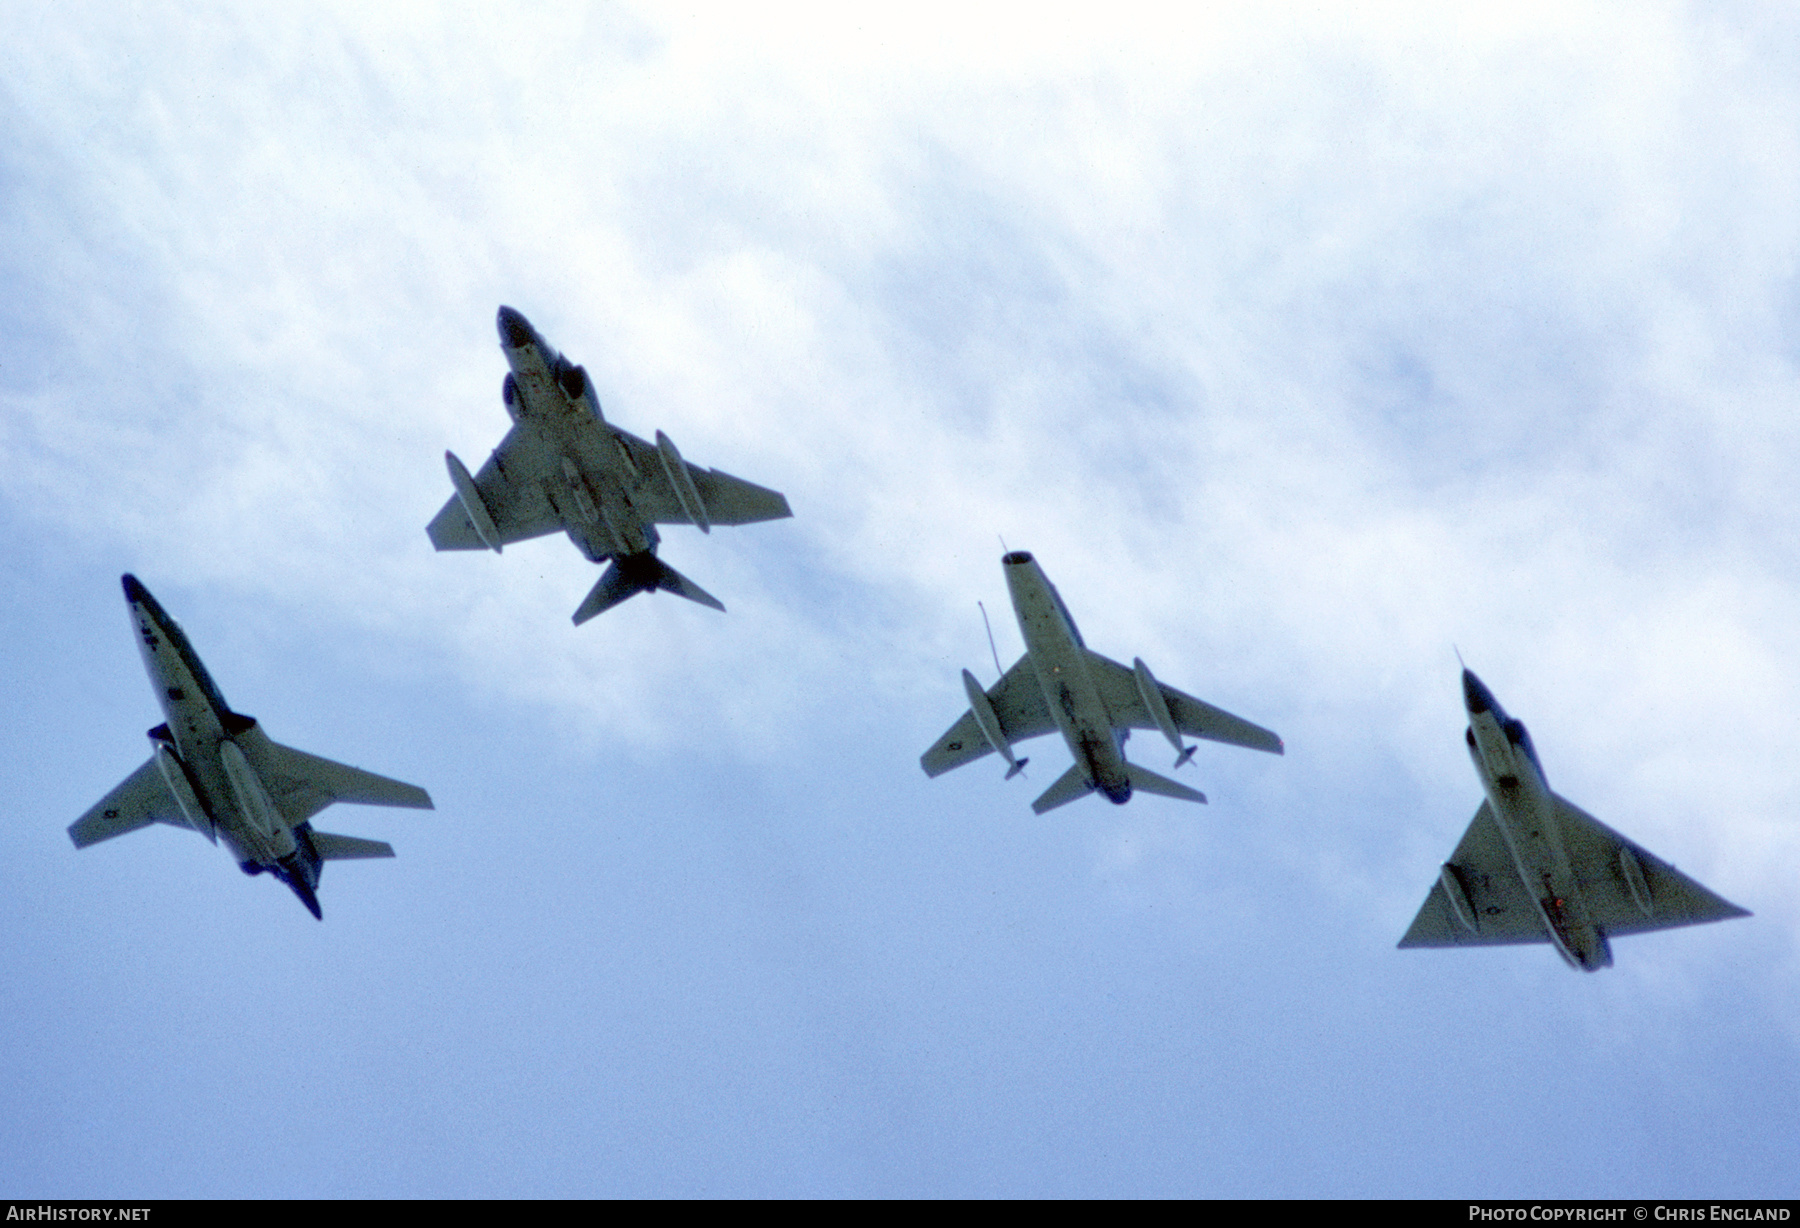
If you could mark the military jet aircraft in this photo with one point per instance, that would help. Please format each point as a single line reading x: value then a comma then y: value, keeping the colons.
x: 216, y: 771
x: 1534, y: 867
x: 1060, y: 685
x: 563, y: 466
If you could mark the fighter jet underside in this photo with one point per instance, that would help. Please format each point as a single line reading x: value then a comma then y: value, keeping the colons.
x: 562, y: 466
x: 1627, y: 889
x: 1534, y: 867
x: 1060, y: 685
x: 1018, y: 701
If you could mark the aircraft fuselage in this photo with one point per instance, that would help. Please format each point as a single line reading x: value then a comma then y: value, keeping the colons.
x: 592, y: 493
x: 1526, y: 813
x: 211, y: 757
x: 1060, y: 660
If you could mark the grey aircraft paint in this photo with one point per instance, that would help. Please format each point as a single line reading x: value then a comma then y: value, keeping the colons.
x: 1060, y: 684
x: 1533, y: 867
x: 563, y: 466
x: 217, y: 772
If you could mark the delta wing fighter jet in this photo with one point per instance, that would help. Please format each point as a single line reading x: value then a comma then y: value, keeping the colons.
x: 563, y: 466
x: 1059, y: 684
x: 1534, y: 867
x: 216, y: 771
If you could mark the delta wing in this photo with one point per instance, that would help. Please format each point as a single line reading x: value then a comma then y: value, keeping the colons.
x: 1494, y: 909
x: 1628, y: 890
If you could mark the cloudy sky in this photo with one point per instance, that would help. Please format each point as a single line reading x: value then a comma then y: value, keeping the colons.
x: 1303, y: 345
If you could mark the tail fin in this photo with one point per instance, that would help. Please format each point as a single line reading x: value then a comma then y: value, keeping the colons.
x: 640, y: 573
x: 348, y: 848
x: 296, y: 880
x: 1143, y: 780
x: 1069, y: 786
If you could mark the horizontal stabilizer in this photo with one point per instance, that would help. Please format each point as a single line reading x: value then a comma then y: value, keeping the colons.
x: 348, y: 848
x: 1143, y: 780
x: 640, y: 573
x: 1069, y: 786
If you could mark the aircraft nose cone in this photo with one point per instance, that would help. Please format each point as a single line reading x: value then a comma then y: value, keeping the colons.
x: 515, y: 329
x: 1476, y: 696
x: 134, y: 592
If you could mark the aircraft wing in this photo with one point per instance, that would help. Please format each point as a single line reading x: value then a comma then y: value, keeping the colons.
x: 1595, y: 851
x: 1502, y: 911
x: 1194, y: 717
x: 728, y: 500
x: 1018, y: 701
x: 511, y: 486
x: 303, y: 784
x: 141, y: 799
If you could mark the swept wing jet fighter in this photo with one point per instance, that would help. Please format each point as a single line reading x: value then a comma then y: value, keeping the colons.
x: 216, y: 771
x: 1534, y: 867
x: 563, y: 466
x: 1059, y: 684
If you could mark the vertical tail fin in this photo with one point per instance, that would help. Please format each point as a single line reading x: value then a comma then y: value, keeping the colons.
x: 291, y: 872
x: 640, y: 573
